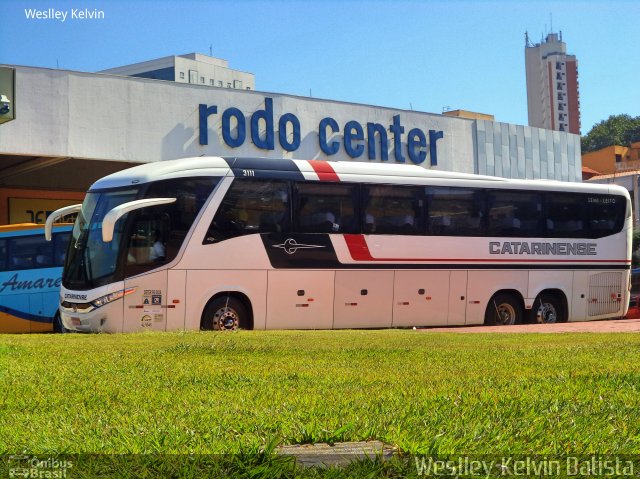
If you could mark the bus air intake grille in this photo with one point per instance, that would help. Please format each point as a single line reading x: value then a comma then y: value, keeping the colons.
x: 605, y: 292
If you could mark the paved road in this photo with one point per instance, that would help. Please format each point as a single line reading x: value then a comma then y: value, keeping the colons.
x: 608, y: 326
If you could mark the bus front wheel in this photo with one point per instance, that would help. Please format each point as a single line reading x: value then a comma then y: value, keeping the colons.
x: 503, y: 310
x: 224, y: 314
x: 58, y: 327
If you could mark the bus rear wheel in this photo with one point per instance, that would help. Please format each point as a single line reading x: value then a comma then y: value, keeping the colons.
x: 548, y: 310
x: 503, y: 310
x: 224, y: 314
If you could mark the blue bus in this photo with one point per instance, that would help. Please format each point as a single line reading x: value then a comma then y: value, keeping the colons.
x: 30, y: 277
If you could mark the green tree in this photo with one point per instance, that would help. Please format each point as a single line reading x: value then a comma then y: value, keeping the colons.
x: 615, y: 130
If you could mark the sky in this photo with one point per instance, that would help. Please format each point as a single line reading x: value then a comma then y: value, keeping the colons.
x: 421, y: 55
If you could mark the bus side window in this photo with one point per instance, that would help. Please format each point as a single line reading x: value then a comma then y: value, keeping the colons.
x: 29, y: 252
x: 3, y: 255
x: 250, y: 207
x: 606, y: 215
x: 514, y: 213
x: 394, y: 210
x: 60, y: 243
x: 566, y: 216
x: 326, y: 208
x: 456, y: 211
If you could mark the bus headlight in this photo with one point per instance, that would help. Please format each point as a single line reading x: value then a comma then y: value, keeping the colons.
x: 108, y: 298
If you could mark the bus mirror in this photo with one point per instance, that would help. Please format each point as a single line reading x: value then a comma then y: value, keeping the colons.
x: 109, y: 221
x: 67, y: 210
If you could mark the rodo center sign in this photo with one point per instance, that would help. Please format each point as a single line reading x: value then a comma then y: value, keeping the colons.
x: 414, y: 146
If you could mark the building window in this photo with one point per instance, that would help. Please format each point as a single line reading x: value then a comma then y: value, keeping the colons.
x: 212, y: 82
x: 559, y: 96
x: 237, y: 84
x: 181, y: 75
x: 248, y: 88
x: 202, y: 80
x: 559, y: 86
x: 193, y: 76
x: 558, y: 76
x: 229, y: 85
x: 557, y: 65
x: 560, y: 106
x: 219, y: 82
x: 618, y: 158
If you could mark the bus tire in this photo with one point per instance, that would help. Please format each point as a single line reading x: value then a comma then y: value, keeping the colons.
x: 503, y: 310
x: 547, y: 309
x: 225, y: 313
x: 58, y: 327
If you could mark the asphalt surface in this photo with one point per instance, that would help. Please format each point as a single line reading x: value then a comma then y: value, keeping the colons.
x: 606, y: 326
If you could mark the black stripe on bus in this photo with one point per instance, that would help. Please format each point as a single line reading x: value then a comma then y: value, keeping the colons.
x: 316, y: 251
x: 274, y: 168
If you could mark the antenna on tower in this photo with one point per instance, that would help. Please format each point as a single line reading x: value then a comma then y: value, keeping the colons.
x: 551, y: 22
x: 211, y: 50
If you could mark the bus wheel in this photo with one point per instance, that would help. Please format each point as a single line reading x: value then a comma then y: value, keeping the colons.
x: 224, y: 314
x: 549, y: 310
x: 57, y: 324
x: 503, y: 310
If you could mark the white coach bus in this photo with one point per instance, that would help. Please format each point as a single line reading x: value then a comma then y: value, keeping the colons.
x: 227, y: 243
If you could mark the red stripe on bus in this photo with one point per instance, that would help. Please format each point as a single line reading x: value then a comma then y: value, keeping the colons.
x: 358, y: 248
x: 359, y: 251
x: 324, y: 170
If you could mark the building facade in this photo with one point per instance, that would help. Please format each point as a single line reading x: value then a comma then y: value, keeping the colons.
x: 614, y: 159
x: 194, y: 68
x: 71, y: 128
x: 553, y: 98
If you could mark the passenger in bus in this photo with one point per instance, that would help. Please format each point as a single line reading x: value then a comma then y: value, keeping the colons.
x: 157, y: 250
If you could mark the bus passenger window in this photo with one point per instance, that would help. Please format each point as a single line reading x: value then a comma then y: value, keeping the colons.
x: 514, y: 213
x: 394, y: 210
x: 250, y: 207
x: 606, y: 214
x: 60, y: 243
x: 3, y: 255
x: 455, y: 211
x: 326, y: 208
x: 566, y: 216
x: 30, y: 252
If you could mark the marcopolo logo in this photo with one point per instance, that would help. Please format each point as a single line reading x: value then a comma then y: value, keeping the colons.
x: 356, y: 137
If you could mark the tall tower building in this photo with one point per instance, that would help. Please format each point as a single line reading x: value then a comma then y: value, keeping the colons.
x: 552, y: 85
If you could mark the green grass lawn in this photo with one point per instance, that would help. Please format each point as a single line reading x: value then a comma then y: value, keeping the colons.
x: 237, y: 393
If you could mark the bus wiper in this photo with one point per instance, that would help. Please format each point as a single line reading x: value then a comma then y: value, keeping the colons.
x: 81, y: 242
x: 88, y: 268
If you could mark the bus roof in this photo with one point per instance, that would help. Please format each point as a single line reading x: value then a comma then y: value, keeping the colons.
x: 17, y: 227
x: 327, y: 170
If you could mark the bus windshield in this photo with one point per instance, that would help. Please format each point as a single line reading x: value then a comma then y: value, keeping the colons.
x: 142, y: 240
x: 90, y: 262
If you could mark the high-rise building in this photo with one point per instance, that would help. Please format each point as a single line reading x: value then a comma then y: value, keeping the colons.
x: 552, y: 85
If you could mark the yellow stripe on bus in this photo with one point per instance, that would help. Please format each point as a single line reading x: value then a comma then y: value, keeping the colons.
x: 12, y: 324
